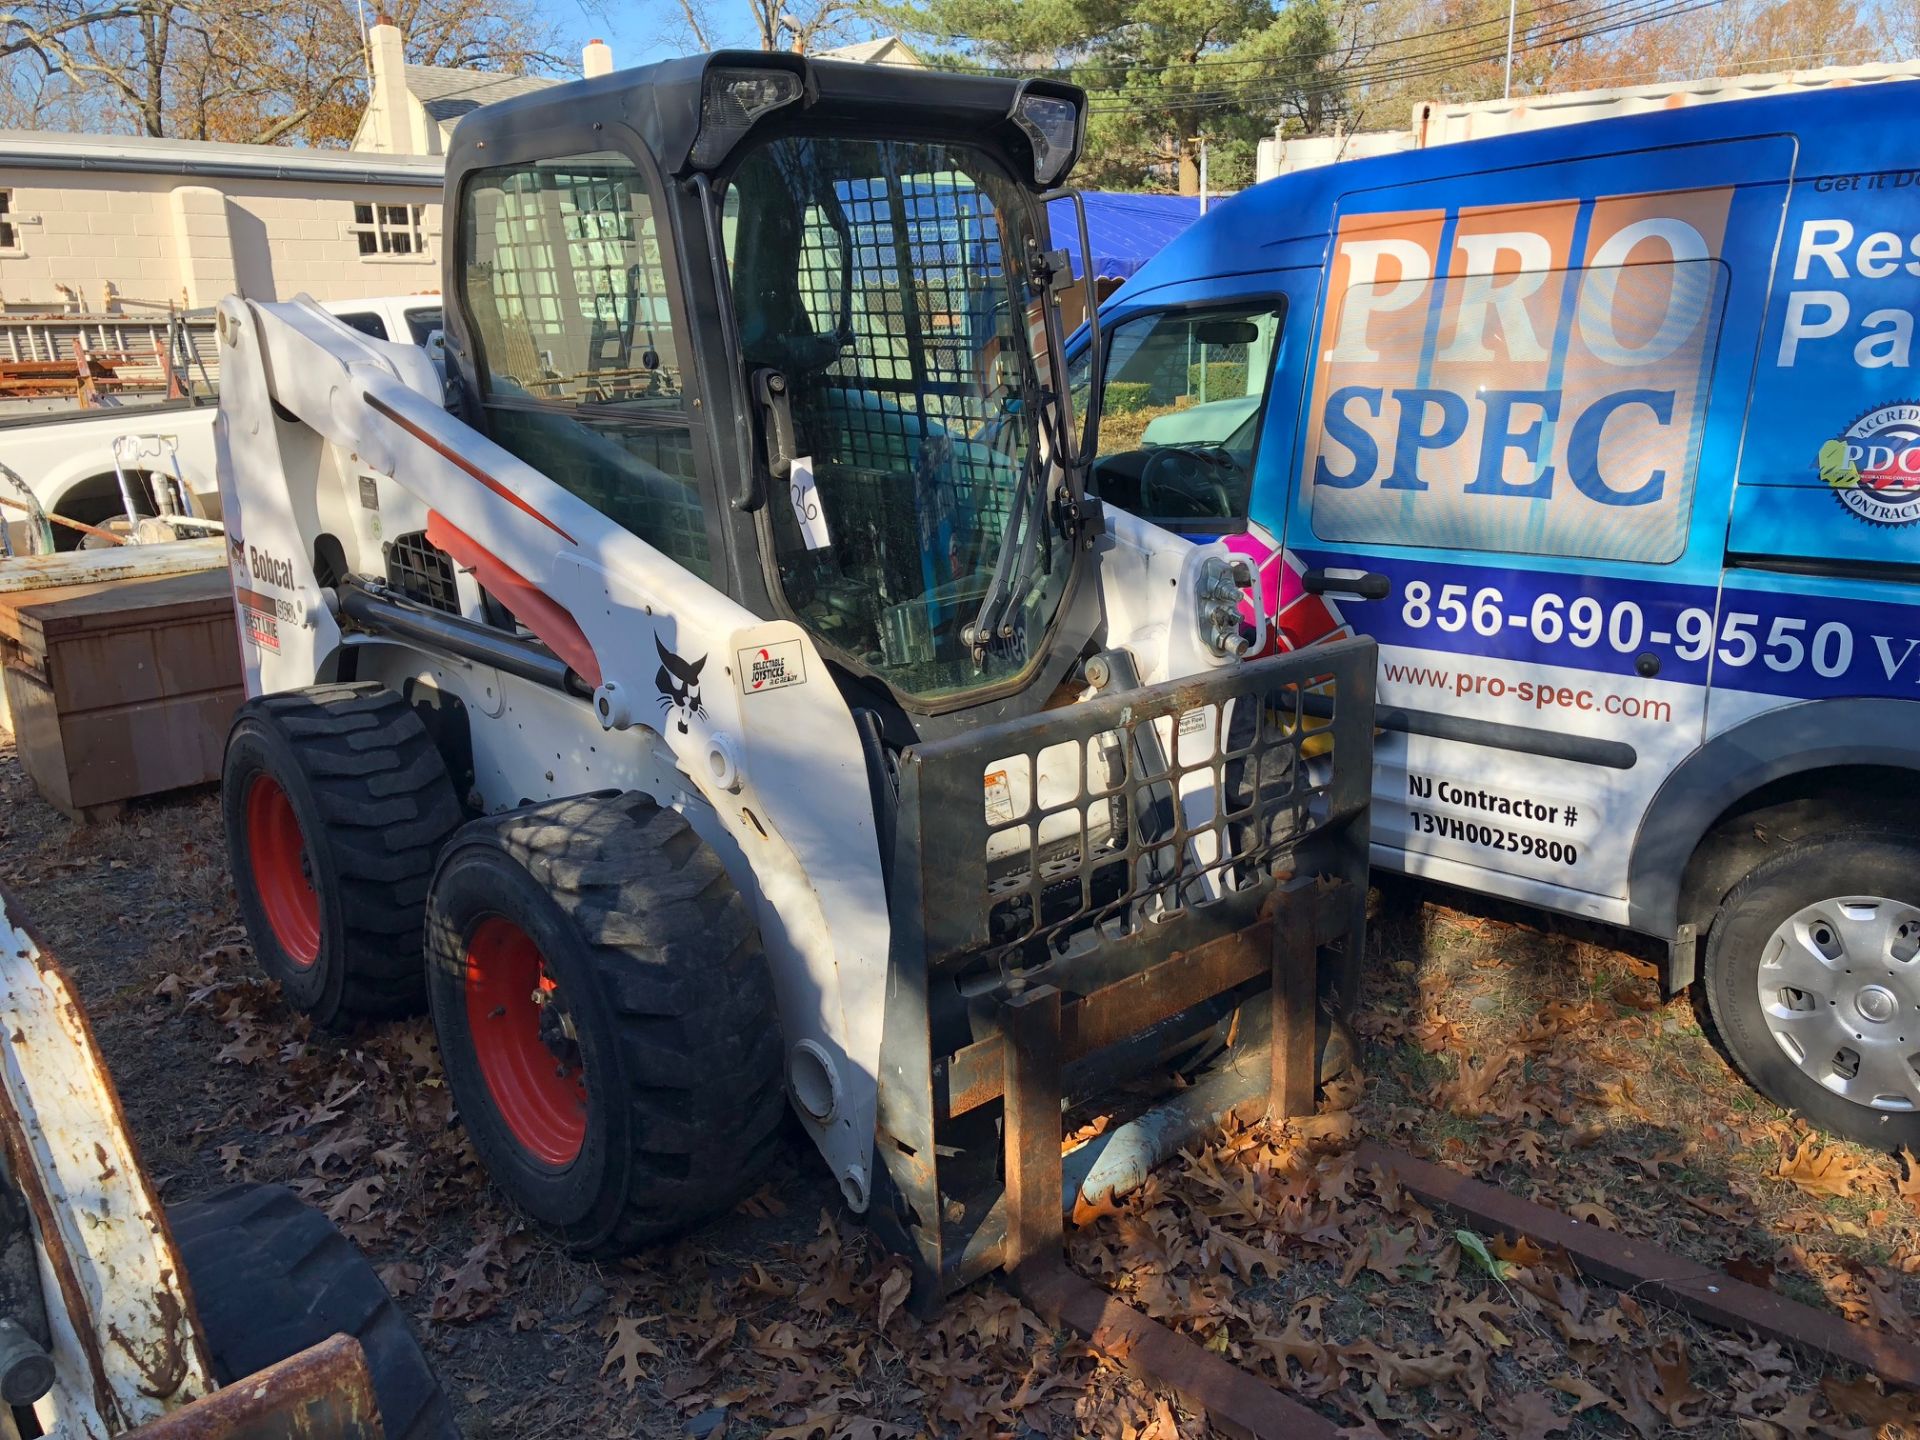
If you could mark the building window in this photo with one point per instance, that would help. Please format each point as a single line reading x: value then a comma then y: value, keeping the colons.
x: 9, y: 232
x: 388, y: 229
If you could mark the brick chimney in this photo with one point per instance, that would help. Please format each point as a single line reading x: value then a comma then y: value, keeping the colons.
x: 596, y: 59
x: 388, y: 108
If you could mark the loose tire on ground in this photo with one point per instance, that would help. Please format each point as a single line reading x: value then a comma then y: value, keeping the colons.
x: 1817, y: 952
x: 270, y: 1276
x: 336, y: 805
x: 606, y: 1017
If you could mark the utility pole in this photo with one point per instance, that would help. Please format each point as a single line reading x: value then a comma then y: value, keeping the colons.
x: 1203, y: 174
x: 1513, y: 9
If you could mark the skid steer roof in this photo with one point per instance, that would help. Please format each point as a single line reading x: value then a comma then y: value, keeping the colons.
x: 671, y: 105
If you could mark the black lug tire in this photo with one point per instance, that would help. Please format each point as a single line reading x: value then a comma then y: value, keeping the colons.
x: 270, y: 1276
x: 1803, y: 873
x: 375, y: 808
x: 672, y: 1001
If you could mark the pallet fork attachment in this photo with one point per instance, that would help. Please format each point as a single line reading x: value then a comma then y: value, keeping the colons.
x: 1315, y: 714
x: 1242, y: 1405
x: 1237, y: 1403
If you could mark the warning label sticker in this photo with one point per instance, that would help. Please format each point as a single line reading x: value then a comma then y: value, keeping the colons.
x: 999, y: 798
x: 772, y: 667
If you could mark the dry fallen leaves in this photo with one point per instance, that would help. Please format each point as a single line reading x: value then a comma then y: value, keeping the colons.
x: 1822, y: 1171
x: 628, y: 1349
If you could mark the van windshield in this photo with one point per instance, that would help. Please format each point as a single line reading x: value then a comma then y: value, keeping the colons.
x: 882, y: 282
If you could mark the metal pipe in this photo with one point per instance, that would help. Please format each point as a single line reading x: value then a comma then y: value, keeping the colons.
x: 1119, y: 1161
x: 1112, y: 1164
x: 1513, y: 12
x: 387, y: 616
x: 126, y: 490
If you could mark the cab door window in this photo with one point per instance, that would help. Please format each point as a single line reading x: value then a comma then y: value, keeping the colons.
x: 579, y: 360
x: 1181, y: 404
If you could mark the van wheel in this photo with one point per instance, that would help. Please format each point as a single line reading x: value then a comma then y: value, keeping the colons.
x: 606, y: 1017
x: 336, y: 805
x: 1813, y: 981
x: 271, y: 1276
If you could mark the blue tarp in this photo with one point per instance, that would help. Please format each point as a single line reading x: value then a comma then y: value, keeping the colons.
x: 1126, y: 231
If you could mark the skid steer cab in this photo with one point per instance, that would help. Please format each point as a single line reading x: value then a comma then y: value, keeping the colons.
x: 714, y: 692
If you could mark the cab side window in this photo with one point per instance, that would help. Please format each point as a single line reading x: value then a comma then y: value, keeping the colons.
x: 1181, y: 403
x: 564, y: 284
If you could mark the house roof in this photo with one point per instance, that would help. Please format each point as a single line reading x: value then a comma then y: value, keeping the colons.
x: 447, y: 94
x: 140, y: 154
x: 883, y: 50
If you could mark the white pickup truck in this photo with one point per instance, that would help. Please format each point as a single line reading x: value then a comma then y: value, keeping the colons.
x: 66, y: 458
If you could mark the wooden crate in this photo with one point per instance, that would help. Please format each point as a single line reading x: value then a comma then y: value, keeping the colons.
x: 121, y: 688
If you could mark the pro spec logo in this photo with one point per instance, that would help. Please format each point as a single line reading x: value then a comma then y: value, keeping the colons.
x: 1874, y: 468
x: 1519, y: 377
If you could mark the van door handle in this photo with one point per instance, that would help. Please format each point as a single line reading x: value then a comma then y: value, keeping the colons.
x: 1347, y: 584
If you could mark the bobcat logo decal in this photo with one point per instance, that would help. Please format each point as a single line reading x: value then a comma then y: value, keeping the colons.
x: 678, y: 682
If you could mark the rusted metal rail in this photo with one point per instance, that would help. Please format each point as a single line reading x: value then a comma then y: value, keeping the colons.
x: 1237, y: 1404
x: 323, y: 1393
x: 1041, y: 1034
x: 1652, y: 1273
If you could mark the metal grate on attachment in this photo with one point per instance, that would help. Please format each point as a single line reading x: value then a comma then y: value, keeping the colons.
x: 1154, y: 856
x: 1085, y: 824
x: 422, y: 572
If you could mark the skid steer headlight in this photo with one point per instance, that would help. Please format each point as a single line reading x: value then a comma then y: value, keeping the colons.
x: 1222, y: 583
x: 733, y: 101
x: 1052, y: 125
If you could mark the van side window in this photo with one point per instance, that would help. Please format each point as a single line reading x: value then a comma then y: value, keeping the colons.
x: 1543, y: 413
x: 1183, y: 396
x: 561, y: 267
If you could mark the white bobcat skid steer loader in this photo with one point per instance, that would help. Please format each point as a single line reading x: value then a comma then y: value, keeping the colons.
x: 717, y: 690
x: 240, y: 1316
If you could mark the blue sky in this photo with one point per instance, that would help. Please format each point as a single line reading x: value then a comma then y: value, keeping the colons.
x: 644, y: 30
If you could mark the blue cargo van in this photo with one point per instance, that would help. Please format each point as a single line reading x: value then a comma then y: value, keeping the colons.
x: 1610, y: 435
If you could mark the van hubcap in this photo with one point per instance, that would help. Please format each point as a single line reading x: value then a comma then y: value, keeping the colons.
x: 1840, y: 989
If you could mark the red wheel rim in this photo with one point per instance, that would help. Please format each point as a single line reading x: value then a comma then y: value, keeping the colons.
x: 542, y: 1097
x: 281, y: 874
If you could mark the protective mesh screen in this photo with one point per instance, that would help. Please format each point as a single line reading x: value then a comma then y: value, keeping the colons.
x: 883, y: 281
x: 1095, y: 819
